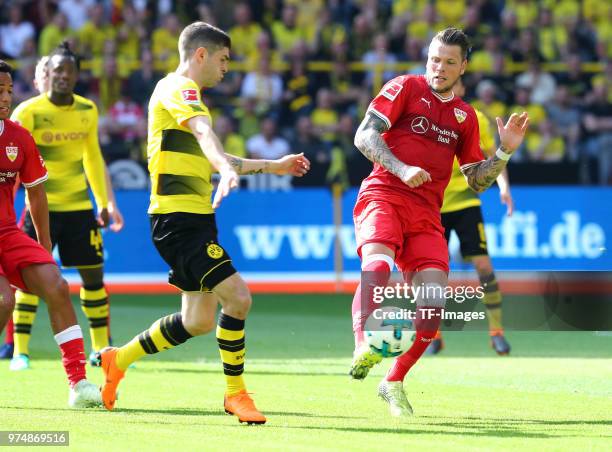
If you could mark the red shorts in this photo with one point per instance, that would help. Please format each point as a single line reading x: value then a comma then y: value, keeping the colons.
x: 418, y: 243
x: 18, y: 251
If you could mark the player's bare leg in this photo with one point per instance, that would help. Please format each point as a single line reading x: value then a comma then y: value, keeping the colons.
x: 429, y: 303
x: 7, y: 302
x: 235, y: 300
x: 46, y: 282
x: 377, y: 260
x: 493, y: 303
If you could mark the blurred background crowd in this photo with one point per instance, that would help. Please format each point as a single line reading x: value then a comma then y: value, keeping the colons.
x: 304, y: 71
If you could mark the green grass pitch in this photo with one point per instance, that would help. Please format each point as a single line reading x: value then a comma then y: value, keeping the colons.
x: 553, y: 393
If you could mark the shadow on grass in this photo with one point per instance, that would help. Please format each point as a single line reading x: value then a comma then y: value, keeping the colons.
x: 183, y: 412
x: 248, y: 372
x: 470, y: 420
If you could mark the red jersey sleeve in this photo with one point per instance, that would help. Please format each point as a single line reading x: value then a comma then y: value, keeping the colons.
x: 33, y: 171
x: 389, y: 104
x: 468, y: 150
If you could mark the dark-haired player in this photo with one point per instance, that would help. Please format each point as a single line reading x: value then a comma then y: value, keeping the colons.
x: 27, y: 264
x: 65, y: 129
x: 412, y: 131
x: 183, y: 151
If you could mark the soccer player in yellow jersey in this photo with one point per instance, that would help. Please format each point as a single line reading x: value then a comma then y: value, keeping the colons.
x: 41, y: 83
x: 65, y: 129
x: 183, y: 151
x: 461, y: 212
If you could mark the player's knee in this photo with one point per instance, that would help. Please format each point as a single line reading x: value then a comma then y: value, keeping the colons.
x: 241, y: 303
x: 57, y: 290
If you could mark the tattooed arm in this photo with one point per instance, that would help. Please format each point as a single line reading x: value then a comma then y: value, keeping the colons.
x: 295, y: 164
x: 369, y: 141
x: 481, y: 175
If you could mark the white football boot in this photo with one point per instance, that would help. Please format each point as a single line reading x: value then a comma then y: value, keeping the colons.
x: 84, y: 395
x: 393, y: 393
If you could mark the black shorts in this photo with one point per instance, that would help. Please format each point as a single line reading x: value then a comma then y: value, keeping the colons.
x: 188, y: 244
x: 469, y: 226
x: 76, y: 235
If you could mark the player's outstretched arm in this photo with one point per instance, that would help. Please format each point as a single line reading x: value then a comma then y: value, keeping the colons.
x: 369, y: 141
x: 481, y: 175
x: 213, y: 150
x: 39, y: 209
x: 294, y: 164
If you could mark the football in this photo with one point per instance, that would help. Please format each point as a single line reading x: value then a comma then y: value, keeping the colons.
x: 387, y: 333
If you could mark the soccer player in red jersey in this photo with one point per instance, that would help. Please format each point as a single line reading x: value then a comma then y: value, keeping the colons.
x: 27, y: 264
x: 412, y: 131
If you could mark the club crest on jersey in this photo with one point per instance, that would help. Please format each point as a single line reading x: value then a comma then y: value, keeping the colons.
x: 391, y: 90
x: 190, y: 96
x: 460, y: 115
x: 11, y: 152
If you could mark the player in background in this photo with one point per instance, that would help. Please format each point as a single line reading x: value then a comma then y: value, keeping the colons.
x: 65, y: 129
x: 27, y: 264
x: 412, y: 132
x: 41, y: 83
x: 183, y: 151
x: 461, y: 212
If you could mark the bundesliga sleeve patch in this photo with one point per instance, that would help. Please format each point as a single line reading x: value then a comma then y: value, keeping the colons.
x: 190, y: 96
x: 391, y: 90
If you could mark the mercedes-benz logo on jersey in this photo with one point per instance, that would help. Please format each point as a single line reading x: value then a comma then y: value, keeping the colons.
x: 420, y: 125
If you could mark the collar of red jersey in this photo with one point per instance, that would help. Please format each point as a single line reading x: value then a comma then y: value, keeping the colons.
x: 444, y: 99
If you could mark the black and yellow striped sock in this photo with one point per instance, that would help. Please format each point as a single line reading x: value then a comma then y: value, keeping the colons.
x: 493, y: 302
x: 164, y: 334
x: 94, y: 302
x: 230, y: 337
x: 23, y: 318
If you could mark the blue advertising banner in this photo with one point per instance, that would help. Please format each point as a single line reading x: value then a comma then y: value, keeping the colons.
x: 553, y: 228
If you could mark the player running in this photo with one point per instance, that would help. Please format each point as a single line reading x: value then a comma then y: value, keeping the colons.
x: 41, y: 83
x: 183, y: 151
x: 461, y: 212
x: 412, y: 132
x: 27, y: 264
x: 65, y: 129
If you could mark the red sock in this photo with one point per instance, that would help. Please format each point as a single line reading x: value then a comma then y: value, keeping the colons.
x: 426, y: 330
x: 71, y: 344
x: 379, y: 272
x: 10, y: 329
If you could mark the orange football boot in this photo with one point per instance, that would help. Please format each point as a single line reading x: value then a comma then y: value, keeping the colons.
x: 242, y: 405
x: 112, y: 375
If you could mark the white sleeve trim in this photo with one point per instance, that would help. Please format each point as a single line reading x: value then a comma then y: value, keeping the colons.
x: 36, y: 182
x: 380, y: 115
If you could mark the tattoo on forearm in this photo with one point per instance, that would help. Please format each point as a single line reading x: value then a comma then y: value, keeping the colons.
x: 238, y: 165
x: 482, y: 175
x: 369, y: 141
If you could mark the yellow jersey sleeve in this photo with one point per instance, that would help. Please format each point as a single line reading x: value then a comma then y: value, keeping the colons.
x: 183, y: 101
x: 93, y: 164
x: 487, y: 141
x: 24, y: 117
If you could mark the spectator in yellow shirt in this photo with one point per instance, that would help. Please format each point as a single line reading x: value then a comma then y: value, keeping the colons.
x: 95, y: 31
x: 164, y: 44
x: 53, y: 34
x: 244, y: 33
x: 286, y: 32
x: 324, y: 117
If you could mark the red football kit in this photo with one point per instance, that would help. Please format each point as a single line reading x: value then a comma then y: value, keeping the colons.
x: 427, y: 131
x: 18, y: 157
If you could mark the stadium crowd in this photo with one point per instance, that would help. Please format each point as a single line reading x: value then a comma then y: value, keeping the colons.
x: 303, y: 72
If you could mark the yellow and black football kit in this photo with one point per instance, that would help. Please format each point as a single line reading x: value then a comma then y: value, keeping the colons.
x: 183, y: 227
x: 182, y: 218
x: 67, y: 138
x: 461, y: 212
x: 461, y: 207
